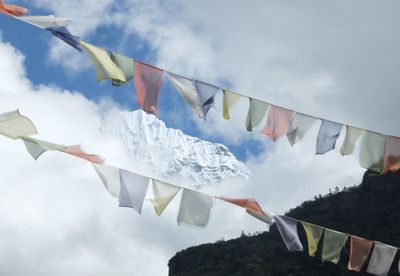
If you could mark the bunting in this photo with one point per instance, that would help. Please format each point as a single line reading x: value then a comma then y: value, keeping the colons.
x: 278, y: 122
x: 126, y: 65
x: 350, y: 140
x: 206, y: 94
x: 195, y: 208
x: 381, y: 259
x: 327, y: 136
x: 133, y: 190
x: 314, y: 233
x: 392, y: 154
x: 163, y: 194
x: 359, y: 252
x: 76, y: 150
x: 288, y: 229
x: 63, y: 34
x: 36, y: 147
x: 250, y: 204
x: 372, y: 151
x: 44, y: 22
x: 148, y: 84
x: 256, y: 113
x: 13, y: 125
x: 229, y: 100
x: 110, y: 177
x: 299, y: 126
x: 12, y: 10
x: 332, y: 245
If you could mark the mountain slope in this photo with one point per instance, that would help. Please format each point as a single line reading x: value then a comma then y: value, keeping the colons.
x: 371, y: 210
x: 171, y: 151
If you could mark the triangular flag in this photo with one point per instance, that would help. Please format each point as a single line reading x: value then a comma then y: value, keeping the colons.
x: 163, y: 194
x: 288, y: 229
x: 187, y: 90
x: 63, y: 34
x: 126, y: 65
x: 37, y: 147
x: 359, y: 252
x: 278, y: 122
x: 349, y: 143
x: 133, y: 190
x: 327, y: 136
x: 299, y: 126
x: 45, y: 22
x: 372, y: 151
x: 392, y: 154
x: 206, y: 94
x: 195, y: 208
x: 265, y: 217
x: 102, y: 63
x: 248, y: 203
x: 76, y: 150
x: 12, y: 10
x: 256, y: 113
x: 148, y: 81
x: 230, y: 98
x: 381, y: 259
x: 332, y: 245
x: 314, y: 233
x: 14, y: 125
x: 110, y: 177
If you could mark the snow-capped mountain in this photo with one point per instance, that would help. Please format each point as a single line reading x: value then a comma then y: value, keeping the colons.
x: 171, y: 151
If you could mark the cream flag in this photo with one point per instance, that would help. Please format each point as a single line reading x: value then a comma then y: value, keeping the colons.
x: 195, y: 208
x: 163, y: 194
x: 332, y: 245
x: 230, y: 99
x: 381, y: 259
x: 45, y: 22
x: 14, y: 125
x: 110, y: 177
x: 256, y: 113
x: 299, y: 126
x: 37, y: 147
x: 187, y: 90
x: 372, y: 151
x: 102, y: 63
x: 352, y: 135
x: 314, y: 233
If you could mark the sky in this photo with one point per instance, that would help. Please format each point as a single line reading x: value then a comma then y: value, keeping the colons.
x: 336, y: 60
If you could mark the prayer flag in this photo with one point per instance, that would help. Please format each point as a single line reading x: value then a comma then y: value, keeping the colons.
x: 381, y: 259
x: 148, y: 80
x: 392, y: 154
x: 206, y: 94
x: 372, y: 151
x: 299, y: 126
x: 163, y: 194
x: 14, y: 125
x: 288, y: 229
x: 195, y: 208
x: 102, y: 63
x: 332, y: 245
x: 78, y: 152
x: 359, y: 252
x: 230, y: 99
x: 133, y: 190
x: 187, y: 90
x: 256, y: 113
x: 265, y: 217
x: 63, y: 34
x: 314, y: 233
x: 278, y: 122
x: 126, y: 65
x: 37, y: 147
x: 12, y: 10
x: 247, y: 203
x: 352, y: 135
x: 45, y: 22
x: 110, y: 177
x: 327, y: 136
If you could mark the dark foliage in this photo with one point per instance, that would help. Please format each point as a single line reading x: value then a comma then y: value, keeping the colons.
x: 370, y: 210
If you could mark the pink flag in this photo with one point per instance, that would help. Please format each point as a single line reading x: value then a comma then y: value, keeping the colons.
x: 78, y: 152
x: 359, y: 252
x: 148, y: 80
x: 392, y: 154
x: 12, y: 10
x: 249, y: 204
x: 278, y: 122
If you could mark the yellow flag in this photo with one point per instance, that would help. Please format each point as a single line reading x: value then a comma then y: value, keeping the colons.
x: 163, y: 194
x: 313, y: 233
x: 230, y: 99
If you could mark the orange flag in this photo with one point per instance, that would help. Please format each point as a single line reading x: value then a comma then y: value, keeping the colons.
x: 78, y: 152
x: 359, y: 252
x: 392, y: 154
x: 249, y: 204
x: 278, y: 122
x: 12, y: 10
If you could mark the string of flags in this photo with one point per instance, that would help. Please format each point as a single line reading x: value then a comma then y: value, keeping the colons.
x: 378, y: 152
x: 195, y: 207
